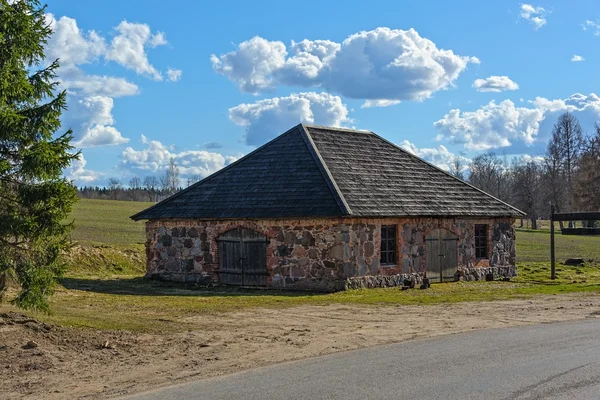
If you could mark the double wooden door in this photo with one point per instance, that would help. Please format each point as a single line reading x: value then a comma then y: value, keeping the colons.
x: 243, y: 258
x: 442, y: 255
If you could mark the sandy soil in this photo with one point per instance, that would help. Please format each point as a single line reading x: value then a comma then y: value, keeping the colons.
x: 85, y: 363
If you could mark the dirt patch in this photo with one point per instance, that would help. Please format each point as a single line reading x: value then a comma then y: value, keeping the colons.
x: 86, y: 363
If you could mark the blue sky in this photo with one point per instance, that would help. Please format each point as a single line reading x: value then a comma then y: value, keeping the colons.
x: 150, y: 80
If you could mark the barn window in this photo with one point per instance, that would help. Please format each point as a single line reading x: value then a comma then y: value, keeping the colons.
x: 388, y: 245
x: 481, y: 241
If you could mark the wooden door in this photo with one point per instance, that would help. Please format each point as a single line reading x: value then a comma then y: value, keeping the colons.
x: 243, y: 258
x: 442, y: 255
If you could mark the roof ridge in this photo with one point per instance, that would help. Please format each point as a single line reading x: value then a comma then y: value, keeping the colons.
x: 211, y: 176
x: 327, y: 175
x: 445, y: 172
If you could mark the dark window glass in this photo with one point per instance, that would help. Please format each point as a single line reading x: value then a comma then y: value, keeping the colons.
x: 481, y: 241
x: 388, y: 245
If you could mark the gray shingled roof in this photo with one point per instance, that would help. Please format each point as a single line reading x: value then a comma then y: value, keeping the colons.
x: 313, y: 171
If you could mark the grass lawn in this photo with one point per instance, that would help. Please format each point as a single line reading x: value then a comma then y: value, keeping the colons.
x: 535, y: 246
x: 104, y: 288
x: 107, y: 222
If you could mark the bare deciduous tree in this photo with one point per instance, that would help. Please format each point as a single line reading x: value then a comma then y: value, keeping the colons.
x: 193, y: 179
x: 586, y: 182
x: 135, y: 184
x: 489, y: 173
x: 526, y: 188
x: 458, y: 169
x: 151, y: 184
x: 114, y: 185
x: 169, y: 181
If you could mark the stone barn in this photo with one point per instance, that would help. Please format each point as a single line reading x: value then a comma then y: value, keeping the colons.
x: 323, y: 208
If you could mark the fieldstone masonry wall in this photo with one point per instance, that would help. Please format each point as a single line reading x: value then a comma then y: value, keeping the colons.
x: 325, y: 254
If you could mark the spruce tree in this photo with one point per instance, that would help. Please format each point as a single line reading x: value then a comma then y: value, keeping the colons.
x: 35, y: 198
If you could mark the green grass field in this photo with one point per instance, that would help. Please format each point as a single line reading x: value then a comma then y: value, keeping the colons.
x: 104, y: 288
x: 107, y: 222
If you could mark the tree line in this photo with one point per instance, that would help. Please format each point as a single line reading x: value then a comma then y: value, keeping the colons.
x: 148, y: 188
x: 567, y: 175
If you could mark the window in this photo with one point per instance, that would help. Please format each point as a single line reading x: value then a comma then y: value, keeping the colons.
x: 388, y: 244
x: 481, y: 241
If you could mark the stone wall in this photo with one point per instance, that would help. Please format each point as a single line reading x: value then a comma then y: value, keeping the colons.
x: 325, y: 254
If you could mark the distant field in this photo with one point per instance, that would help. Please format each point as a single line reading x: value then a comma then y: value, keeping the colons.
x: 107, y: 222
x: 534, y: 246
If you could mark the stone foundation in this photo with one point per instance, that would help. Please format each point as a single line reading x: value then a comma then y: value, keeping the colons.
x: 326, y: 254
x: 382, y: 281
x: 479, y: 274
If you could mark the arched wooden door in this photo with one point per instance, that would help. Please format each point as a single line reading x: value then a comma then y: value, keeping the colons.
x: 243, y: 258
x: 442, y: 255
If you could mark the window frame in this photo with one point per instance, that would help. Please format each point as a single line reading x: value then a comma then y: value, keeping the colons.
x: 388, y: 249
x: 481, y: 241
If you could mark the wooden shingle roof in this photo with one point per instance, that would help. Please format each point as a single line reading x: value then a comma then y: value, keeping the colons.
x: 314, y: 171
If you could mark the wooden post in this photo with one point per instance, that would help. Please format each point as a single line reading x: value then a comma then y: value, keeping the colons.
x: 552, y: 260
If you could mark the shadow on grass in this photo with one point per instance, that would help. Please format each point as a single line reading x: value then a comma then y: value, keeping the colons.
x: 139, y: 286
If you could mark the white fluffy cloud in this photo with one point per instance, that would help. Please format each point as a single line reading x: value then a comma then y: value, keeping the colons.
x: 533, y: 14
x: 77, y: 82
x: 267, y: 118
x: 495, y: 84
x: 439, y: 156
x: 253, y: 64
x: 577, y: 58
x: 383, y: 65
x: 128, y: 48
x: 173, y: 75
x: 70, y: 44
x: 594, y: 27
x: 500, y: 125
x: 91, y: 96
x: 81, y: 175
x: 155, y: 158
x: 92, y: 122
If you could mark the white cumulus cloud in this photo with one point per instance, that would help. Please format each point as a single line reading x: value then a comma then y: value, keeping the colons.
x: 92, y: 122
x: 80, y: 174
x: 69, y: 44
x: 577, y: 58
x: 90, y: 97
x: 252, y: 65
x: 77, y: 82
x: 155, y: 156
x: 382, y: 66
x: 439, y: 156
x: 268, y: 118
x: 536, y: 15
x: 128, y: 48
x: 495, y: 84
x: 496, y: 125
